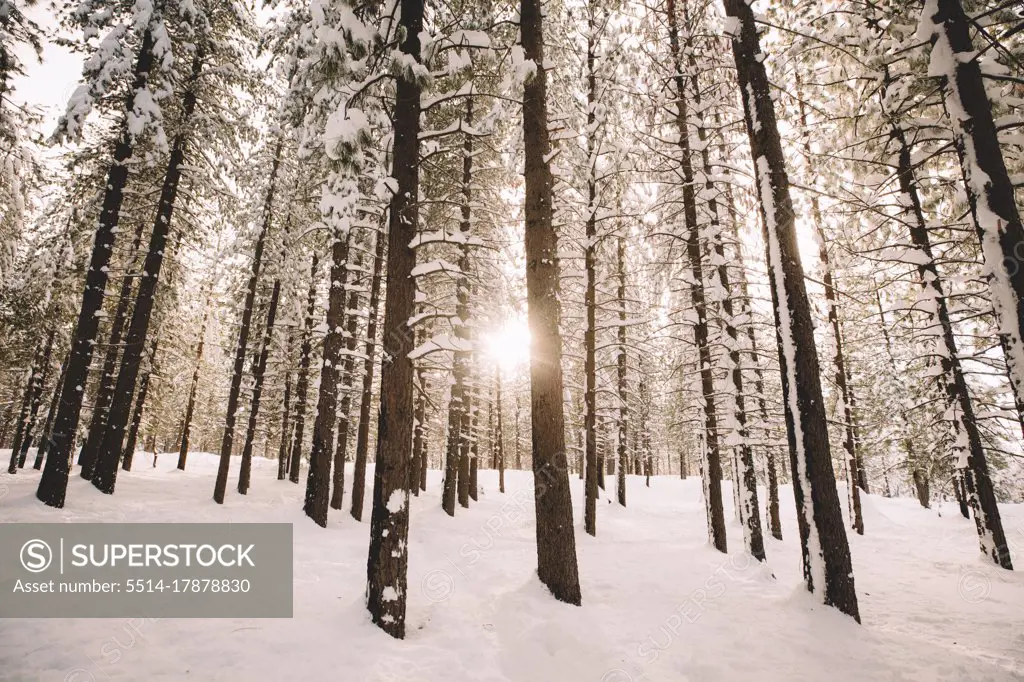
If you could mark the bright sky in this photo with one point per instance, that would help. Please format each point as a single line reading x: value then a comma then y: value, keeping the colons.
x: 509, y: 345
x: 50, y: 84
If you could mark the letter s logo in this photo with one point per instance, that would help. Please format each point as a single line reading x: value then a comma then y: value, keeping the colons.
x: 36, y: 556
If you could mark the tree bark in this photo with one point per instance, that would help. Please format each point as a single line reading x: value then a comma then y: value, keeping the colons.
x: 282, y: 452
x: 387, y: 563
x: 302, y: 384
x: 348, y: 377
x: 44, y: 440
x: 54, y: 481
x: 186, y: 428
x: 712, y: 471
x: 26, y: 402
x: 419, y: 452
x: 997, y: 219
x: 112, y: 444
x: 841, y: 373
x: 318, y: 478
x: 623, y: 430
x: 500, y: 432
x: 991, y: 535
x: 363, y: 433
x: 590, y: 486
x: 140, y: 405
x: 260, y: 372
x: 243, y: 332
x: 556, y: 543
x: 105, y: 395
x: 827, y: 565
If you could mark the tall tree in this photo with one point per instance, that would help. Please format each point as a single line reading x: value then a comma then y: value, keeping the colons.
x: 388, y: 560
x: 109, y: 456
x: 54, y: 481
x: 228, y: 440
x: 828, y: 569
x: 556, y: 542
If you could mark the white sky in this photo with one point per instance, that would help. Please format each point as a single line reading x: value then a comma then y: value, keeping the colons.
x: 47, y: 86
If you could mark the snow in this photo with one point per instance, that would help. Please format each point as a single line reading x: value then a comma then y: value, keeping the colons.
x: 658, y: 603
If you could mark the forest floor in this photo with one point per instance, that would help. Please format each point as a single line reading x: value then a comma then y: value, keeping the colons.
x: 658, y: 603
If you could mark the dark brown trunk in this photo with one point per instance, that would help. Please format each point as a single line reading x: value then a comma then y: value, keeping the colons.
x: 105, y: 395
x: 348, y: 377
x: 993, y: 205
x: 259, y: 373
x: 228, y: 440
x: 419, y: 427
x: 302, y: 384
x: 318, y: 478
x: 111, y: 447
x: 712, y: 469
x: 473, y: 482
x: 44, y: 440
x: 387, y: 563
x: 54, y: 481
x: 556, y: 542
x: 186, y: 428
x: 500, y: 434
x: 590, y: 485
x: 841, y: 373
x: 954, y: 385
x: 827, y: 565
x: 140, y: 405
x: 282, y: 452
x: 620, y: 370
x: 26, y: 401
x: 37, y: 398
x: 366, y: 399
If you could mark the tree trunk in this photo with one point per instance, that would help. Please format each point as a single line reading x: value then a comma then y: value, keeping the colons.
x: 419, y: 428
x: 105, y: 395
x: 302, y: 385
x: 991, y: 536
x: 140, y: 404
x: 243, y: 332
x: 500, y: 432
x: 473, y: 481
x: 26, y: 403
x: 318, y: 478
x: 623, y: 430
x: 461, y: 395
x: 44, y: 440
x: 186, y: 428
x: 348, y: 376
x: 990, y: 194
x: 109, y: 456
x: 245, y: 470
x: 841, y: 374
x: 363, y: 434
x: 54, y: 481
x: 712, y: 472
x: 556, y: 542
x: 450, y: 484
x: 387, y: 564
x: 828, y: 569
x: 37, y: 398
x: 282, y: 452
x: 590, y: 485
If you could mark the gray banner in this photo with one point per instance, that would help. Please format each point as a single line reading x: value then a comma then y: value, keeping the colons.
x: 153, y: 570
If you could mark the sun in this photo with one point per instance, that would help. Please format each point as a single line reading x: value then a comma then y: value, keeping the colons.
x: 509, y: 345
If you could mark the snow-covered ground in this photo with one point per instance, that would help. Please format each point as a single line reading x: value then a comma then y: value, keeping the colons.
x: 658, y: 603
